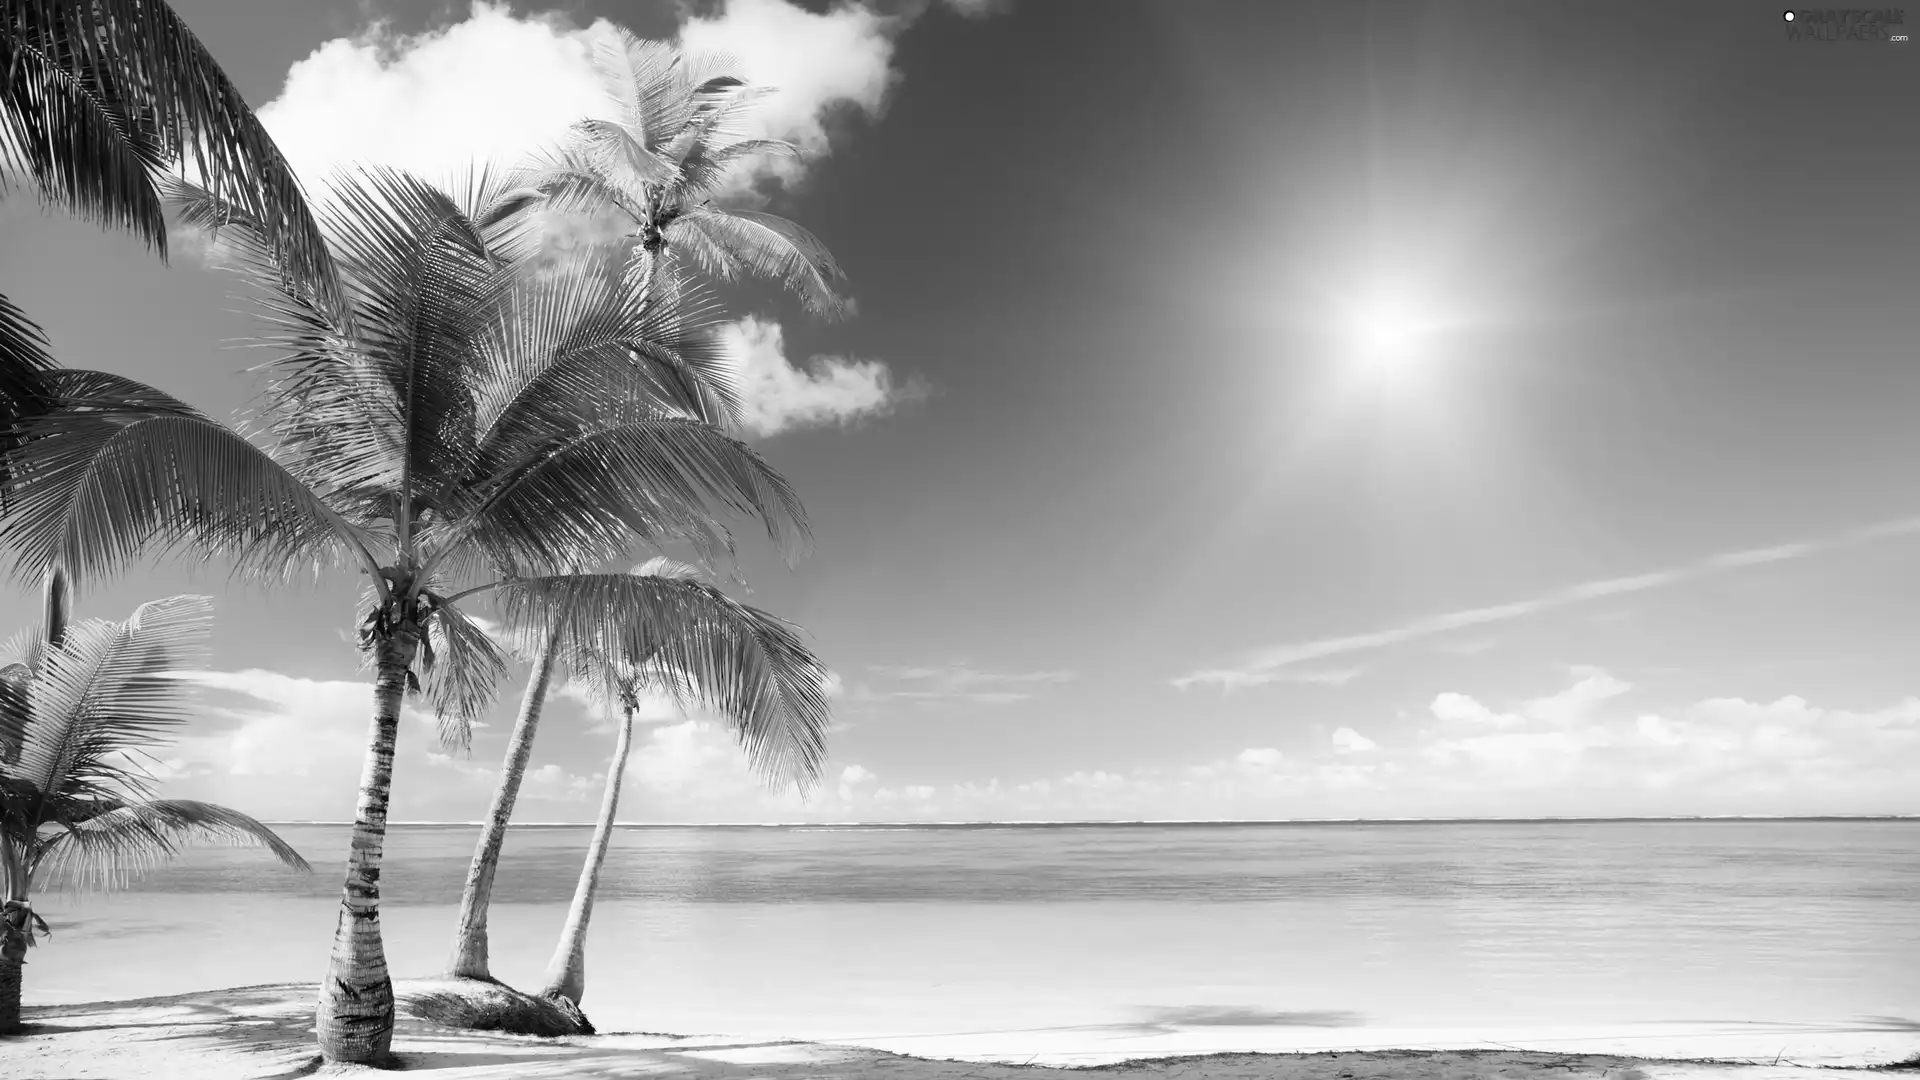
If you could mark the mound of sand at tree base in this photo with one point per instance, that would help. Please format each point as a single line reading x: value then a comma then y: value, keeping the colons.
x: 263, y: 1032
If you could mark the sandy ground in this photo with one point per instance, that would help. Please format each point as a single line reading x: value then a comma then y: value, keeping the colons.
x: 263, y: 1032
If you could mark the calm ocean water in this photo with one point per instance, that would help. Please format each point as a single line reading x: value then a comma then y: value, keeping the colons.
x: 1103, y: 940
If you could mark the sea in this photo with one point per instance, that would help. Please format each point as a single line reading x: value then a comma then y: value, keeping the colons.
x: 1784, y: 940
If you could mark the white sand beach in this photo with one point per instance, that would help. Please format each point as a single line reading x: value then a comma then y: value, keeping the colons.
x: 265, y: 1032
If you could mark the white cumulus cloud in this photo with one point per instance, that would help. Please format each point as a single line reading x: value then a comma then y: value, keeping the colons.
x: 780, y: 395
x: 1348, y: 741
x: 495, y: 84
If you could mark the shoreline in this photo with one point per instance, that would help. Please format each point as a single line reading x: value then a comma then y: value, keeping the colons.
x: 265, y: 1033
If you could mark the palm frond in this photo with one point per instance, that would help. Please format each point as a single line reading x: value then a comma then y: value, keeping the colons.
x: 24, y: 363
x: 575, y: 346
x: 706, y: 169
x: 105, y: 692
x: 462, y: 668
x: 245, y: 246
x: 107, y: 849
x: 118, y: 468
x: 424, y: 287
x: 198, y: 118
x: 570, y: 180
x: 655, y: 481
x: 81, y: 129
x: 615, y: 149
x: 728, y: 243
x: 642, y: 78
x: 742, y: 663
x: 193, y: 117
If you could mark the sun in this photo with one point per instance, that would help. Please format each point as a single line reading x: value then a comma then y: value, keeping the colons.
x: 1386, y: 330
x: 1386, y: 337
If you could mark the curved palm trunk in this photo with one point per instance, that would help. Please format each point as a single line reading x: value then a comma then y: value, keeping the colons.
x: 354, y: 1020
x: 470, y: 937
x: 567, y: 971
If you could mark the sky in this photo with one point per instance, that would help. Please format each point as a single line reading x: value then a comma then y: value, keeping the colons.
x: 1252, y: 410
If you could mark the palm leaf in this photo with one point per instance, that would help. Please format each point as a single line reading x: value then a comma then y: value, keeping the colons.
x: 569, y: 180
x: 462, y: 668
x: 728, y: 243
x: 81, y: 129
x: 119, y: 466
x: 193, y: 118
x: 577, y: 339
x: 105, y: 692
x: 24, y: 358
x: 107, y: 849
x: 655, y: 481
x: 749, y: 667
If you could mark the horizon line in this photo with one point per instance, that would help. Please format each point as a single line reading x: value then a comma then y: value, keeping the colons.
x: 1042, y: 823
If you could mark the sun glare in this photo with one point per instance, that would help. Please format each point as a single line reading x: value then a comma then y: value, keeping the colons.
x: 1386, y: 337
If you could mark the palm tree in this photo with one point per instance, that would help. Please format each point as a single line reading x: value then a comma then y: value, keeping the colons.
x: 705, y: 648
x: 762, y: 686
x: 450, y: 426
x: 78, y: 707
x: 662, y: 164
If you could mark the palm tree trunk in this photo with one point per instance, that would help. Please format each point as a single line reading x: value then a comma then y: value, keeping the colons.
x: 567, y: 971
x: 355, y: 1016
x: 470, y: 936
x: 642, y: 282
x: 13, y: 961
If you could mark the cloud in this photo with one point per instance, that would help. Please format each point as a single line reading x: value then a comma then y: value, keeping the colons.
x: 1261, y: 666
x: 1239, y: 680
x: 817, y: 64
x: 958, y: 683
x: 654, y: 707
x: 780, y: 396
x: 1577, y: 751
x: 1348, y: 741
x: 495, y: 84
x: 1261, y: 758
x: 284, y: 747
x: 492, y: 86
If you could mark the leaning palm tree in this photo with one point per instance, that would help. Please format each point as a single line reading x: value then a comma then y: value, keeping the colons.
x: 740, y: 663
x: 706, y: 650
x: 450, y: 426
x: 79, y: 706
x: 662, y: 164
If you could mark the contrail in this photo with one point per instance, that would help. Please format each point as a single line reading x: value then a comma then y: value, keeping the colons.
x: 1264, y: 666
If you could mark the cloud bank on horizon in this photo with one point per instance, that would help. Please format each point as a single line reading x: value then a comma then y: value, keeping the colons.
x: 496, y: 85
x: 290, y: 749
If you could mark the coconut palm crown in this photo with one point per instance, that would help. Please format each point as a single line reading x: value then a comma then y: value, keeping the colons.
x: 661, y: 166
x: 459, y: 421
x: 81, y: 704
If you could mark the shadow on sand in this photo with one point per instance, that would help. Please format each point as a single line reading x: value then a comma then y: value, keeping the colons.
x: 266, y: 1033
